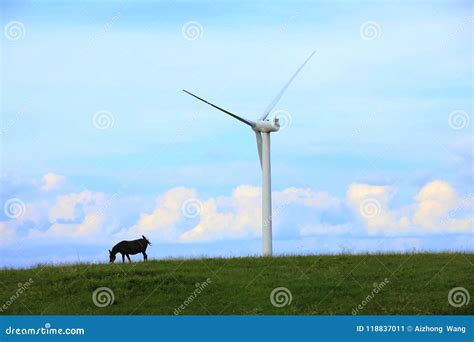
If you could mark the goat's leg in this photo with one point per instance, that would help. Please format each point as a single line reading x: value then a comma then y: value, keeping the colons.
x: 123, y: 257
x: 145, y: 257
x: 128, y: 257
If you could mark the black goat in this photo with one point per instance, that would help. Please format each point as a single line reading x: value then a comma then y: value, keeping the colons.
x: 130, y: 247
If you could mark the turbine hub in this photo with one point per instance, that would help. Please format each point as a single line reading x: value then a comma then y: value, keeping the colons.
x: 266, y: 126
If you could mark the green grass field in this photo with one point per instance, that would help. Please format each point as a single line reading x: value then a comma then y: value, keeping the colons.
x: 320, y: 284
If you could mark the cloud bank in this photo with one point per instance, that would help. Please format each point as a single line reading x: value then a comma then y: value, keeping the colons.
x: 181, y: 215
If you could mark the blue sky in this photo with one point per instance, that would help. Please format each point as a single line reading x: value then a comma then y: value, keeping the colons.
x: 382, y: 114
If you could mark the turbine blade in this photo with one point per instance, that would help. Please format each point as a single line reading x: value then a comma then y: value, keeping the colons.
x: 259, y: 146
x: 245, y: 121
x: 280, y: 94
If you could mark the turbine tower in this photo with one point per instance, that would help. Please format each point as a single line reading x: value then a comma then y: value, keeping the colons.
x: 262, y: 128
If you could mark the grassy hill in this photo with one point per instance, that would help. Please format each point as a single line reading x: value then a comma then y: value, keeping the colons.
x: 319, y: 284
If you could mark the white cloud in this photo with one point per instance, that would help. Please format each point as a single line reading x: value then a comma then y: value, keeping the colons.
x: 370, y: 203
x: 231, y: 217
x: 91, y: 224
x: 239, y: 215
x: 6, y: 233
x: 437, y: 209
x: 84, y: 215
x: 66, y: 205
x: 437, y: 204
x: 306, y: 197
x: 321, y: 229
x: 434, y: 202
x: 161, y: 223
x: 297, y: 212
x: 52, y: 181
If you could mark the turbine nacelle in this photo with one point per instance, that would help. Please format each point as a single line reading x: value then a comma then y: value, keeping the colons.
x: 266, y: 126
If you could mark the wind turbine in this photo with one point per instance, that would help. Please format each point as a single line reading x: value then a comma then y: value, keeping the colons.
x: 262, y: 128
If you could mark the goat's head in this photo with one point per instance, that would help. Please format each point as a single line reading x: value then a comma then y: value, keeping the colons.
x: 147, y: 241
x: 111, y: 256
